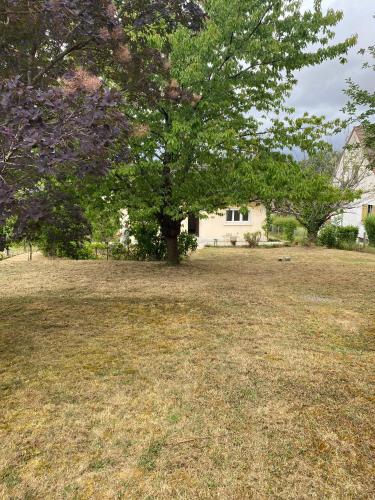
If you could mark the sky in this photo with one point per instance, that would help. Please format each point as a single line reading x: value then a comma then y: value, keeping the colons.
x: 320, y: 89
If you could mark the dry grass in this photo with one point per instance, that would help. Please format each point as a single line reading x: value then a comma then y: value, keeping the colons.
x: 235, y: 376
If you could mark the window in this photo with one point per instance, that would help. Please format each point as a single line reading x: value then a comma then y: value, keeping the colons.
x: 367, y: 210
x: 233, y: 215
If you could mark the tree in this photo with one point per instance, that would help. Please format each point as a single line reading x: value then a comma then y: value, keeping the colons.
x: 60, y: 132
x: 43, y: 39
x: 56, y: 118
x: 192, y: 139
x: 318, y: 188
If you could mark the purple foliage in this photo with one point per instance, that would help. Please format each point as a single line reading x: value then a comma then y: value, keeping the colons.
x: 62, y: 131
x: 57, y: 121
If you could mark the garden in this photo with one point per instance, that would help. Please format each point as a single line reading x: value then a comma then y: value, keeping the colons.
x: 133, y: 362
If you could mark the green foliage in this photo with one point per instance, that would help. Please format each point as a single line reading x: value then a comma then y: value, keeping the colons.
x: 346, y: 234
x: 313, y: 198
x: 65, y: 234
x: 343, y: 237
x: 370, y: 228
x: 327, y: 236
x: 198, y: 141
x: 300, y: 236
x: 252, y: 238
x: 53, y: 245
x: 118, y: 251
x: 83, y: 251
x: 102, y: 211
x: 186, y: 243
x: 6, y: 232
x: 98, y: 245
x: 150, y: 244
x: 361, y: 107
x: 287, y: 225
x: 267, y: 226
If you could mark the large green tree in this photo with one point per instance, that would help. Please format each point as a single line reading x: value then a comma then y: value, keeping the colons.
x: 222, y: 84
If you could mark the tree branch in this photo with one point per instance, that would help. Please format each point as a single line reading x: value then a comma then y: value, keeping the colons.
x: 60, y: 57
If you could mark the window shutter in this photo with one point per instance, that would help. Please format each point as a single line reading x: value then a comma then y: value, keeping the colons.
x: 364, y: 212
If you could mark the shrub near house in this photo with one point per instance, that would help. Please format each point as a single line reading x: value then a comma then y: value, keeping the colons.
x: 252, y: 239
x: 369, y: 224
x: 338, y: 236
x: 285, y: 226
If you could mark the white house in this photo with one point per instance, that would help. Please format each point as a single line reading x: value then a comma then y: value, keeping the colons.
x: 227, y: 226
x: 221, y: 229
x: 354, y: 166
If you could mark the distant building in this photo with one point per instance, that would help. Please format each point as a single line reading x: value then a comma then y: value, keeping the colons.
x: 354, y: 160
x: 228, y: 226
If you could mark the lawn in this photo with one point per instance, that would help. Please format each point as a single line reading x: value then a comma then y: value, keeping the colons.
x: 234, y: 376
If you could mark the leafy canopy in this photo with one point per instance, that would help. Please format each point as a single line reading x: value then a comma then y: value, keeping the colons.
x: 209, y: 120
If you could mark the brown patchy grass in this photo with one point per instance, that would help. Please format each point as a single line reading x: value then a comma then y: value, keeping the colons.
x: 234, y: 376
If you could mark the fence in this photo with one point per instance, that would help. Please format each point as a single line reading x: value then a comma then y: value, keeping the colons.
x: 13, y: 252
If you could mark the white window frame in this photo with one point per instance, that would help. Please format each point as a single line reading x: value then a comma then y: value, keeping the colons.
x: 240, y: 222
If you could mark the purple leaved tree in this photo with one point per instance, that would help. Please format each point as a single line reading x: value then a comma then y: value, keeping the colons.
x: 57, y: 119
x: 61, y: 132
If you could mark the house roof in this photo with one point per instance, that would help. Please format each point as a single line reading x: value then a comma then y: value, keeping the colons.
x: 359, y: 132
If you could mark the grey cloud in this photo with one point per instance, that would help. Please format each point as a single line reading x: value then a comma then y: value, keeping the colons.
x: 320, y: 88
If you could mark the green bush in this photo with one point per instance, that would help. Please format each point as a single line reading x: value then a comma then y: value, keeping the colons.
x: 118, y: 251
x: 85, y: 252
x: 76, y: 250
x: 6, y: 233
x: 98, y: 245
x: 370, y: 228
x: 344, y: 237
x: 252, y: 238
x: 328, y: 236
x: 151, y: 246
x: 187, y: 243
x: 300, y: 236
x: 66, y: 233
x: 287, y: 225
x: 346, y: 234
x: 290, y: 227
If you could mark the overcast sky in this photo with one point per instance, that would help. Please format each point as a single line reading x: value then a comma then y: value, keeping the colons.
x: 320, y: 88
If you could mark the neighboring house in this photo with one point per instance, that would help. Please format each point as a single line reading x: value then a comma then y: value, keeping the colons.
x: 353, y: 166
x: 217, y: 230
x: 227, y: 226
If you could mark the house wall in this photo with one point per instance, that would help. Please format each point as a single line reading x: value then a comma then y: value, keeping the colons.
x: 215, y: 227
x: 353, y: 215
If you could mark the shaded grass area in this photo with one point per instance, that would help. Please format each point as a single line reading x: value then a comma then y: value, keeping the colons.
x: 233, y: 376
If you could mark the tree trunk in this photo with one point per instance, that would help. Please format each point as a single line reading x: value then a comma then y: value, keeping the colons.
x: 173, y: 257
x: 312, y: 237
x: 170, y: 230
